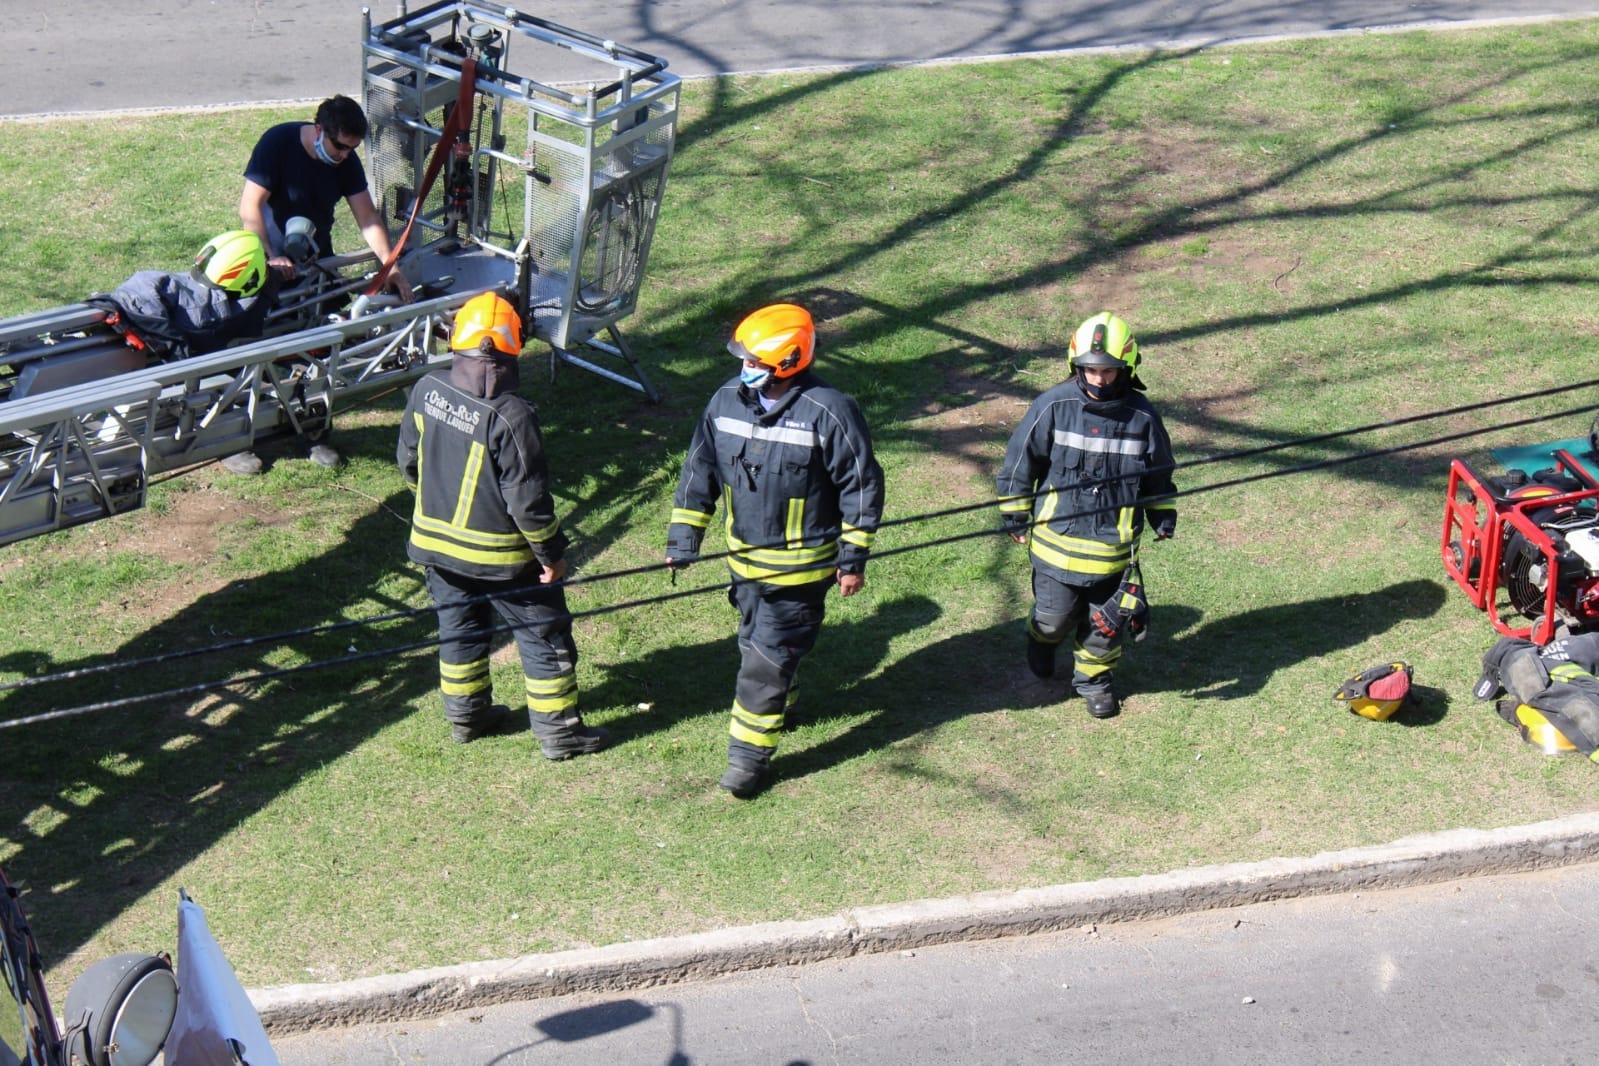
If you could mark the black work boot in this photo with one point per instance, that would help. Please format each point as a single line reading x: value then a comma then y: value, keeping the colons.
x: 562, y: 738
x: 486, y: 724
x: 749, y: 769
x: 1102, y: 704
x: 745, y: 781
x: 1041, y: 657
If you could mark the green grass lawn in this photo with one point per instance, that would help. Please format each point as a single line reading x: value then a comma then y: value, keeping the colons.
x: 1306, y: 236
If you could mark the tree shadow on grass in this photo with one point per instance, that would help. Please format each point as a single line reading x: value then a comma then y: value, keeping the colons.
x: 674, y: 684
x: 1235, y: 657
x: 980, y: 671
x: 97, y: 809
x: 968, y: 673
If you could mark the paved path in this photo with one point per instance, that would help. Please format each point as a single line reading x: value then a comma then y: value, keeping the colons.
x: 1492, y: 969
x: 867, y: 931
x: 96, y: 55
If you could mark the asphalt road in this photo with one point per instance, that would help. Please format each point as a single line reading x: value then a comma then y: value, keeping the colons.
x: 1487, y: 970
x: 96, y: 55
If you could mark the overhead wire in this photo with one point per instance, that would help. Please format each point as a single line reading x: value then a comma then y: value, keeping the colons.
x: 988, y: 504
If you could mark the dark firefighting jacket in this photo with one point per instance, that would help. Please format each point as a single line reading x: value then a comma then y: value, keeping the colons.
x: 471, y: 449
x: 1558, y: 680
x: 800, y: 489
x: 1080, y: 474
x: 177, y: 315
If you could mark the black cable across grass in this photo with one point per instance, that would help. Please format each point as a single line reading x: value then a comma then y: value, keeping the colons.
x: 588, y: 579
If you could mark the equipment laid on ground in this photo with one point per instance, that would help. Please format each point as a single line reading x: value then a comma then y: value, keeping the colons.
x: 1551, y: 692
x: 1526, y: 544
x: 561, y: 224
x: 1377, y: 692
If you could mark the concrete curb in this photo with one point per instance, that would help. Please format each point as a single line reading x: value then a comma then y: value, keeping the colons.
x: 1414, y: 860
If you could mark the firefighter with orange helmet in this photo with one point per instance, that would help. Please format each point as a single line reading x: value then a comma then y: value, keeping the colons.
x: 791, y: 459
x: 1082, y: 472
x: 484, y: 526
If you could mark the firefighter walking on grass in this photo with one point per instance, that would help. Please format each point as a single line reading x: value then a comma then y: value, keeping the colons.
x: 790, y: 459
x: 485, y: 528
x: 1087, y: 463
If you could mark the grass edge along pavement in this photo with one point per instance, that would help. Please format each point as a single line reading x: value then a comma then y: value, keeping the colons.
x: 1419, y: 860
x: 1288, y: 270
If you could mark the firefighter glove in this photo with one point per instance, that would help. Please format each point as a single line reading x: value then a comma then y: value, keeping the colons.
x: 1126, y: 611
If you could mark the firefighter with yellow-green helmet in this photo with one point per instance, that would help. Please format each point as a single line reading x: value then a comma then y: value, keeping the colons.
x: 1085, y: 470
x: 484, y: 526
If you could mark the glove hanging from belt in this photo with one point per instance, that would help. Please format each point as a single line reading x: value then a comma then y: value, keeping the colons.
x: 1127, y: 610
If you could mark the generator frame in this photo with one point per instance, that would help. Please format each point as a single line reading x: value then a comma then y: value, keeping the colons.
x: 569, y: 234
x: 1478, y: 525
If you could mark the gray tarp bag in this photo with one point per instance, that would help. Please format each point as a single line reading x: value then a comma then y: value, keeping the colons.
x: 176, y: 315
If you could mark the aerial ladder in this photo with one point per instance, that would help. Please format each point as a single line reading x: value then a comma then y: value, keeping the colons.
x: 493, y: 180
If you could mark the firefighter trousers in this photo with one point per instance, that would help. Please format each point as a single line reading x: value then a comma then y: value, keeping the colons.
x: 777, y: 626
x: 1061, y: 612
x: 542, y: 629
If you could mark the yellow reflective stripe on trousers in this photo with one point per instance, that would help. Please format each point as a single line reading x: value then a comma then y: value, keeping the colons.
x: 463, y: 679
x: 548, y: 695
x: 1090, y: 665
x: 760, y: 730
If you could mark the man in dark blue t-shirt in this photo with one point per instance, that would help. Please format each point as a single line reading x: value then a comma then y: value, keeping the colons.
x: 304, y: 169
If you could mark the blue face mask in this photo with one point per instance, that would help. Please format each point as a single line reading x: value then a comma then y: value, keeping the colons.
x: 322, y: 152
x: 755, y: 377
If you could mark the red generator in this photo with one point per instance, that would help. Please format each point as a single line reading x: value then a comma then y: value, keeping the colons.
x: 1526, y: 546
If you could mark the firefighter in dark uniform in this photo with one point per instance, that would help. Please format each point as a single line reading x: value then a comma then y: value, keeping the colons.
x: 1083, y: 469
x: 485, y: 528
x: 790, y: 459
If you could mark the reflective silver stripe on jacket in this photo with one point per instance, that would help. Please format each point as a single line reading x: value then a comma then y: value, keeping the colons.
x: 782, y: 434
x: 1084, y: 442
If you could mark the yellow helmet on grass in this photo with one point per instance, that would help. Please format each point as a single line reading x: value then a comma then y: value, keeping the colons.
x: 1377, y: 692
